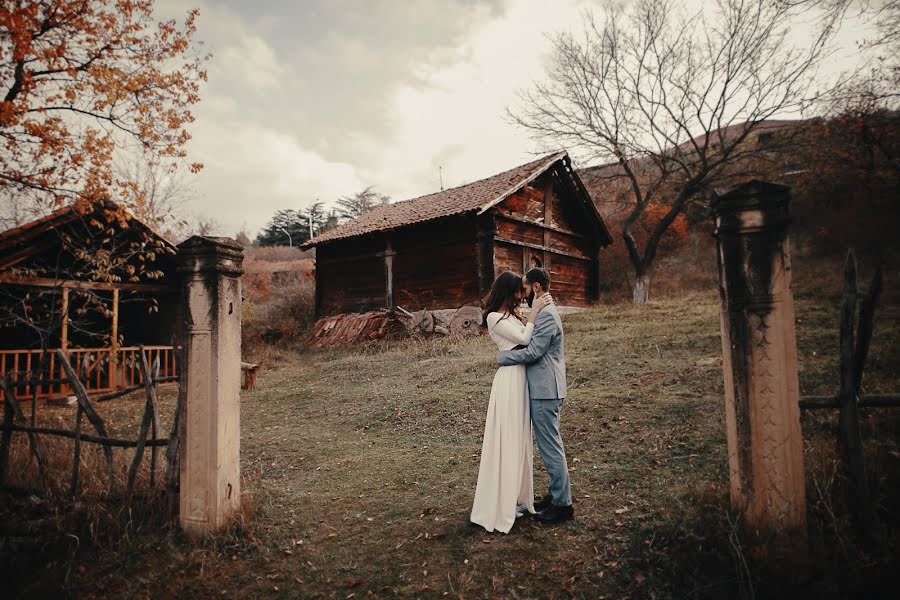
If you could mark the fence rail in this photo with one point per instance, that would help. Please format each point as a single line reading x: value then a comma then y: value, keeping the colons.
x: 855, y: 339
x: 39, y: 374
x: 148, y: 435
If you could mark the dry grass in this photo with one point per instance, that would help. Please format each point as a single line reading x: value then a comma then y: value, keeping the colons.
x: 360, y: 467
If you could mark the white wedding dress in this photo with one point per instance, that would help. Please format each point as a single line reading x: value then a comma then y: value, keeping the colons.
x: 505, y: 477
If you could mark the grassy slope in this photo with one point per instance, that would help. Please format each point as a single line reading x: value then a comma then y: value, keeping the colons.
x: 360, y: 467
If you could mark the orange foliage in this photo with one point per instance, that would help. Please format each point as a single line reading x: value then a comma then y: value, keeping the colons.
x: 616, y: 264
x: 675, y: 234
x: 85, y: 78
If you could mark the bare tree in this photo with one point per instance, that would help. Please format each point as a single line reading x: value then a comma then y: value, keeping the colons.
x: 671, y: 100
x: 155, y: 192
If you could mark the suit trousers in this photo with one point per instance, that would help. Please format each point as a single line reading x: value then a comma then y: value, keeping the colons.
x: 545, y: 421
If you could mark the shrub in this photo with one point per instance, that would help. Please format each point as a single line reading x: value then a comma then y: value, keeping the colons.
x: 286, y: 316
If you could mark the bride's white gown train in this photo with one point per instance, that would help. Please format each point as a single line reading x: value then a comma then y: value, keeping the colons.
x: 505, y: 476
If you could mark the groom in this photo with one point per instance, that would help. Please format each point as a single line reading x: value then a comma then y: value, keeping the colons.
x: 545, y: 362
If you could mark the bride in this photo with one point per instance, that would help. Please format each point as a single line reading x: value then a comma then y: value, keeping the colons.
x: 505, y: 487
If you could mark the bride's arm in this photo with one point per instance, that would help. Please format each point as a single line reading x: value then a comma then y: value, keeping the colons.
x: 511, y: 329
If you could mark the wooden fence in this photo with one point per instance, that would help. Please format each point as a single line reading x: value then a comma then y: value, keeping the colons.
x: 14, y: 420
x: 38, y: 374
x: 854, y: 350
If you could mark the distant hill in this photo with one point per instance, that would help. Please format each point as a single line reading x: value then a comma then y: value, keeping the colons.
x: 845, y: 180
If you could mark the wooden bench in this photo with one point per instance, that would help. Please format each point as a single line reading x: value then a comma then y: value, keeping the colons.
x: 249, y: 371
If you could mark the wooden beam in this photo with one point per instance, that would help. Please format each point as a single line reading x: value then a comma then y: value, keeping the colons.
x: 389, y: 274
x: 21, y: 254
x: 114, y: 342
x: 544, y: 249
x: 84, y: 285
x: 548, y: 213
x: 865, y: 401
x: 485, y: 230
x: 548, y: 218
x: 64, y: 325
x: 560, y: 230
x: 375, y: 255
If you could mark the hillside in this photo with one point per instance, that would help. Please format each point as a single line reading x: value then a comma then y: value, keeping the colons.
x: 844, y: 178
x: 360, y: 467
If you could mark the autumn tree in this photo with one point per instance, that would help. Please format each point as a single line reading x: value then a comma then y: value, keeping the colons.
x: 670, y: 101
x: 84, y: 85
x: 81, y: 81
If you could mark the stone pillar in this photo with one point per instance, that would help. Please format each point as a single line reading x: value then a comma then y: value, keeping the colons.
x: 759, y: 347
x: 210, y: 472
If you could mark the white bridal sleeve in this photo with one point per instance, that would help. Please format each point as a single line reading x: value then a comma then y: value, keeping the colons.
x: 511, y: 329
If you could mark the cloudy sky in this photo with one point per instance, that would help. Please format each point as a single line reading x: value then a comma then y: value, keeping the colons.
x: 321, y: 98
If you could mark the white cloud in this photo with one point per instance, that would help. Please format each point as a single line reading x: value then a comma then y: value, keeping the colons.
x: 251, y: 171
x: 252, y: 168
x: 311, y: 100
x: 458, y: 117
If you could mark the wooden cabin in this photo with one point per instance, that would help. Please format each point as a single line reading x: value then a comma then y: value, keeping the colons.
x: 96, y: 283
x: 445, y: 249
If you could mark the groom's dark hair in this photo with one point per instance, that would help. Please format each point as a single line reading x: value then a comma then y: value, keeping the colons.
x: 539, y: 275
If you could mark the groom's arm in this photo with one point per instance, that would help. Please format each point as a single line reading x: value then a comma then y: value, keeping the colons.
x: 544, y: 330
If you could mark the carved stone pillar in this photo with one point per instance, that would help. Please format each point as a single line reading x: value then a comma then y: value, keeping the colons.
x: 210, y: 474
x: 759, y: 347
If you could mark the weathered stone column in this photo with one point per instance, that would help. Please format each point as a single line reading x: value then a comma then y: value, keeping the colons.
x: 210, y: 270
x: 759, y: 347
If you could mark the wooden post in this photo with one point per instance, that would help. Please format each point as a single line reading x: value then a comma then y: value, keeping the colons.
x: 114, y: 343
x: 64, y: 318
x: 84, y: 402
x: 76, y: 455
x: 548, y: 218
x: 6, y: 434
x: 762, y: 389
x: 389, y: 274
x: 485, y: 230
x: 150, y: 417
x: 154, y: 431
x: 13, y: 404
x: 854, y: 459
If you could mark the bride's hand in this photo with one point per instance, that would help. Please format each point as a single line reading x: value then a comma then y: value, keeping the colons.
x: 538, y: 305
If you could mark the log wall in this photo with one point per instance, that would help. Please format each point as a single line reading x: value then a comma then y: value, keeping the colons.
x: 433, y: 265
x: 350, y: 276
x: 536, y: 228
x: 436, y: 265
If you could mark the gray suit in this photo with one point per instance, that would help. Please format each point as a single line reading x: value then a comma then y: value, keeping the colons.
x: 544, y: 357
x: 545, y: 361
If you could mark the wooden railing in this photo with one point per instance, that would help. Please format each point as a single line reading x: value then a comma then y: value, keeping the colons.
x: 93, y: 367
x: 14, y: 420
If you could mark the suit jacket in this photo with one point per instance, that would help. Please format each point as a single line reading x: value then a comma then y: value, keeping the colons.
x: 544, y: 357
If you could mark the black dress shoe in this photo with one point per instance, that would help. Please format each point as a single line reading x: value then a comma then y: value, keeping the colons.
x: 543, y: 504
x: 556, y: 514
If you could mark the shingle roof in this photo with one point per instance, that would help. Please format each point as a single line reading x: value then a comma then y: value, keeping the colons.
x: 476, y: 196
x: 18, y: 243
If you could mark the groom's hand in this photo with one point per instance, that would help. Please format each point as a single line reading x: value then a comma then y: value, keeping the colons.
x: 500, y: 354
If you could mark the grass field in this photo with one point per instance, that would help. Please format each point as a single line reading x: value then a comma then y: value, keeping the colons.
x: 359, y: 469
